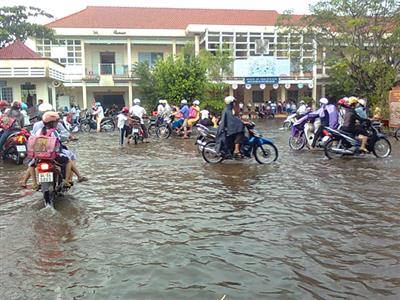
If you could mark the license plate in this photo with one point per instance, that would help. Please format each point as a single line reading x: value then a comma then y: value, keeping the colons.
x: 325, y: 139
x: 45, y: 177
x: 135, y: 130
x: 21, y: 148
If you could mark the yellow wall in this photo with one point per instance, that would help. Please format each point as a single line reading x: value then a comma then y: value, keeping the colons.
x: 41, y: 88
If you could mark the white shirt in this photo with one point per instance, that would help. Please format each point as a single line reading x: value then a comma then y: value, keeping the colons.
x: 138, y: 111
x: 122, y: 120
x: 302, y: 109
x: 204, y: 114
x: 26, y: 118
x: 99, y: 112
x: 160, y: 109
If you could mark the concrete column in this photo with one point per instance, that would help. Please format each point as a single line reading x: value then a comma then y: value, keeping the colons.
x: 323, y: 90
x: 84, y: 95
x: 174, y: 48
x: 314, y: 91
x: 130, y: 94
x: 83, y: 58
x: 129, y: 54
x: 196, y: 45
x: 282, y: 90
x: 230, y: 90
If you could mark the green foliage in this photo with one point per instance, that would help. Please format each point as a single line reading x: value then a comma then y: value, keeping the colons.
x: 15, y: 24
x: 182, y: 78
x: 146, y: 84
x: 218, y: 65
x: 214, y: 96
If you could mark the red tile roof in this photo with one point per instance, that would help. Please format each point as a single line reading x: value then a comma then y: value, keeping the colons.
x: 162, y: 18
x: 18, y: 50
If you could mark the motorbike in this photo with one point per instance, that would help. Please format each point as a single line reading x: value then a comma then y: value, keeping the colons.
x: 50, y: 179
x: 397, y: 134
x: 342, y: 143
x: 205, y: 134
x: 289, y: 121
x: 303, y: 133
x: 155, y: 122
x: 137, y: 131
x: 14, y: 148
x: 165, y: 130
x: 67, y: 122
x: 263, y: 149
x: 88, y: 123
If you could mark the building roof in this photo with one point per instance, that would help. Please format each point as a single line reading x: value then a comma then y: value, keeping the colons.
x: 162, y: 18
x: 18, y: 50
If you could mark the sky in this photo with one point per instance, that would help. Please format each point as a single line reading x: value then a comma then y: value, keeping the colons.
x: 62, y: 8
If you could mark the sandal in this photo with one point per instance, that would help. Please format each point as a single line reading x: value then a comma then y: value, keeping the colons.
x: 67, y: 184
x: 35, y: 187
x: 82, y: 179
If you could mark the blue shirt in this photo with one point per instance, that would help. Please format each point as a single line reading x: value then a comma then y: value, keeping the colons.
x: 185, y: 111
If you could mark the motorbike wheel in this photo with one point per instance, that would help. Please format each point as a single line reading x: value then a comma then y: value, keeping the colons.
x: 12, y: 154
x: 108, y: 126
x: 329, y: 149
x: 163, y: 132
x: 382, y: 148
x: 397, y: 134
x: 152, y: 130
x: 297, y: 142
x: 135, y: 139
x: 266, y: 154
x: 85, y: 127
x: 209, y: 154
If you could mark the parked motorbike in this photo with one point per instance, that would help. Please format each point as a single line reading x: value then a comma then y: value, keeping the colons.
x: 68, y: 123
x: 14, y: 148
x: 263, y: 149
x: 205, y: 135
x: 88, y: 123
x: 343, y: 143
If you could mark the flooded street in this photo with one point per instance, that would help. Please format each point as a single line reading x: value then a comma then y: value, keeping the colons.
x: 156, y: 222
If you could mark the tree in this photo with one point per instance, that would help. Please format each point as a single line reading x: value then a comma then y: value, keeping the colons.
x: 361, y: 39
x: 146, y: 84
x: 15, y: 24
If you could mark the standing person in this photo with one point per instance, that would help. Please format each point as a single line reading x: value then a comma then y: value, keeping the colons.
x: 24, y: 111
x: 122, y: 124
x: 288, y: 108
x: 194, y: 115
x: 75, y: 111
x: 230, y: 130
x: 273, y: 107
x: 11, y: 122
x: 137, y: 111
x: 184, y: 109
x: 99, y: 113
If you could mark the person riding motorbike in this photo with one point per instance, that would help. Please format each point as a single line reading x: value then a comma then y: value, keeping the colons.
x: 137, y: 111
x: 328, y: 116
x: 361, y: 108
x: 3, y: 107
x: 99, y: 113
x: 16, y: 118
x: 231, y: 129
x: 302, y: 108
x: 194, y: 116
x: 350, y: 126
x: 342, y: 105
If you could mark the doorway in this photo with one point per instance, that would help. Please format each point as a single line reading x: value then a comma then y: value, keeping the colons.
x: 109, y: 100
x: 107, y: 63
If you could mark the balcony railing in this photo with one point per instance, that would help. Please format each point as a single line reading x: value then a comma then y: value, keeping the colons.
x: 107, y: 69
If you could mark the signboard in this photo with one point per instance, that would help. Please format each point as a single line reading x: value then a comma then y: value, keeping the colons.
x: 261, y: 66
x: 261, y: 80
x: 394, y: 102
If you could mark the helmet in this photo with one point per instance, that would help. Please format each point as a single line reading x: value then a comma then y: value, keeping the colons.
x: 184, y: 101
x: 229, y: 99
x: 196, y: 102
x: 353, y: 100
x: 125, y: 110
x: 323, y: 101
x: 302, y: 102
x: 136, y: 101
x: 163, y: 101
x: 98, y: 104
x: 50, y: 116
x: 363, y: 102
x: 45, y: 107
x: 3, y: 103
x: 24, y: 106
x: 342, y: 102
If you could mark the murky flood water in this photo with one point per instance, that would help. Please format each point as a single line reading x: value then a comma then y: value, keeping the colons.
x: 156, y: 222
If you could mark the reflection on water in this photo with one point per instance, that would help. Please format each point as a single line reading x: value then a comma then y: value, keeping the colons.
x: 156, y: 222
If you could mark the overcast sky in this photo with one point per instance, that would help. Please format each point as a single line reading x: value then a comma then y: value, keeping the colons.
x: 62, y: 8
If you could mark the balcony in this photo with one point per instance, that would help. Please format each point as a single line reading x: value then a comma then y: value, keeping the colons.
x: 115, y: 70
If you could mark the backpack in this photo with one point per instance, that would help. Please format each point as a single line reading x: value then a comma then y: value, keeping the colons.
x: 44, y: 146
x: 192, y: 113
x: 6, y: 122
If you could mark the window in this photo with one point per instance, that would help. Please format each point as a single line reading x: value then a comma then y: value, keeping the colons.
x: 7, y: 94
x: 258, y: 96
x: 150, y: 57
x: 68, y: 52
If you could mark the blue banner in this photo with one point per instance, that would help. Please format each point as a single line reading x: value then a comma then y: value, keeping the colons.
x: 261, y: 80
x: 261, y: 66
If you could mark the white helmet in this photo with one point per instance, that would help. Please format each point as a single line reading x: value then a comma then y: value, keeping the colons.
x: 196, y: 102
x: 323, y: 101
x: 136, y: 101
x: 363, y: 102
x: 184, y: 101
x: 45, y: 107
x: 229, y: 99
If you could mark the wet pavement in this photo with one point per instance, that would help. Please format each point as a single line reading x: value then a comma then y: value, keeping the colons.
x: 156, y: 222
